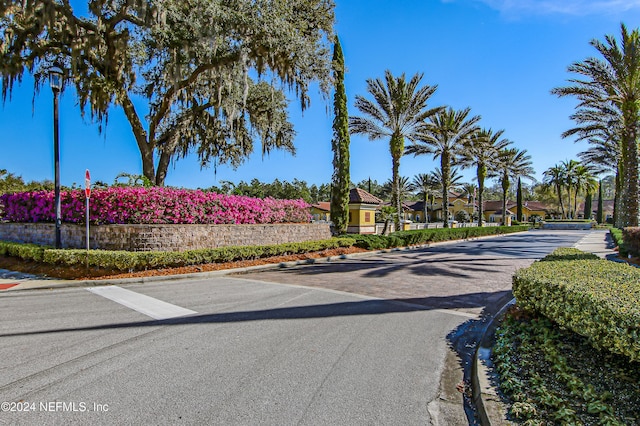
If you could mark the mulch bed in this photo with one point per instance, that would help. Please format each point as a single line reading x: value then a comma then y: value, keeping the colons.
x: 81, y: 272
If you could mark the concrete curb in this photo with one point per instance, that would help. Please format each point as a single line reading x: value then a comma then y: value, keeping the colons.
x: 489, y: 406
x: 46, y: 284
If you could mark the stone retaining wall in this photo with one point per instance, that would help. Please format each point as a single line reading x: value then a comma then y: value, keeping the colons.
x: 163, y: 237
x: 567, y: 225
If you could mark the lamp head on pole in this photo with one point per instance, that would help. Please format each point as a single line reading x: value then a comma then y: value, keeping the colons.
x: 55, y: 78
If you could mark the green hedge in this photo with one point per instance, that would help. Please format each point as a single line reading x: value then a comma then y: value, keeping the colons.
x: 22, y: 251
x: 424, y: 236
x: 616, y: 235
x: 597, y: 299
x: 132, y: 261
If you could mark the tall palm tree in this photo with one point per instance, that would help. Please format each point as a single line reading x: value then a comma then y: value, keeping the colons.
x: 481, y: 152
x: 425, y: 185
x: 569, y: 173
x: 444, y: 136
x: 397, y: 112
x: 584, y: 181
x: 613, y: 81
x: 512, y: 164
x: 603, y: 156
x: 554, y: 177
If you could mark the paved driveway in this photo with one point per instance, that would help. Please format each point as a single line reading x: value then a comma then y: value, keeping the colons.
x: 322, y: 344
x: 466, y: 277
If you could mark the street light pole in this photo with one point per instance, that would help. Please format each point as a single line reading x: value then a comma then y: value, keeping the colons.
x: 55, y: 77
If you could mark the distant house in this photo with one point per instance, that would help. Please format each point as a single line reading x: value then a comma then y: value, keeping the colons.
x: 362, y: 211
x: 607, y: 209
x: 457, y: 202
x: 321, y: 211
x: 492, y: 210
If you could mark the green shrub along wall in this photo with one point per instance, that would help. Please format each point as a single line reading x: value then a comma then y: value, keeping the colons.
x: 424, y: 236
x: 595, y: 298
x: 133, y: 261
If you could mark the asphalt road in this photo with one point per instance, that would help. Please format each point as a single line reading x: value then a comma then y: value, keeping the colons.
x: 341, y: 343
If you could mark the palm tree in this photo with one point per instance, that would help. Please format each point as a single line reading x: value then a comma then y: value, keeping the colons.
x: 425, y: 185
x: 470, y: 191
x: 405, y: 192
x: 405, y: 189
x: 454, y: 179
x: 584, y: 181
x: 554, y: 177
x: 569, y: 172
x: 613, y: 81
x: 512, y: 164
x: 481, y: 152
x: 397, y: 112
x: 603, y: 156
x: 444, y: 136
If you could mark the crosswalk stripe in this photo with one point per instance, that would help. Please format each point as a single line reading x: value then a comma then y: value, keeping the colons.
x: 154, y: 308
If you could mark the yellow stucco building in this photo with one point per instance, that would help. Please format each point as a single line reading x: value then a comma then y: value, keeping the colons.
x: 362, y: 212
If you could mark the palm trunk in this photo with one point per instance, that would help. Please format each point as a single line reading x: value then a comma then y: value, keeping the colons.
x: 629, y: 196
x: 559, y: 189
x: 397, y: 150
x: 616, y: 199
x: 445, y: 165
x: 426, y: 211
x: 482, y: 172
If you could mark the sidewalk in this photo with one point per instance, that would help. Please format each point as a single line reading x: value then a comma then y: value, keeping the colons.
x: 599, y: 243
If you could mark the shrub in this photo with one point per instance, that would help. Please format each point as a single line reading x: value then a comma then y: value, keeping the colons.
x: 22, y: 251
x: 553, y: 376
x: 423, y: 236
x: 131, y: 261
x: 618, y: 240
x: 152, y: 205
x: 567, y: 253
x: 631, y: 240
x: 597, y: 299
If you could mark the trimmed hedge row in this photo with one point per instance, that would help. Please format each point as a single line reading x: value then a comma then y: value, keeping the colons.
x: 424, y: 236
x: 618, y: 240
x: 22, y: 251
x: 135, y: 261
x: 597, y: 299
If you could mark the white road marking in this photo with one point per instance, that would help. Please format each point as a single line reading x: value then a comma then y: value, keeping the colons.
x: 458, y: 313
x: 156, y: 309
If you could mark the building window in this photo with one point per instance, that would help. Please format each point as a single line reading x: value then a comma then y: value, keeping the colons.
x: 367, y: 217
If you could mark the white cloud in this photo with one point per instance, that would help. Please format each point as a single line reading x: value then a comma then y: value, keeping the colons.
x: 564, y: 7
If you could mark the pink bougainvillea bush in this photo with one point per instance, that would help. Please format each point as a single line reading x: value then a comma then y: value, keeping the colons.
x: 152, y: 205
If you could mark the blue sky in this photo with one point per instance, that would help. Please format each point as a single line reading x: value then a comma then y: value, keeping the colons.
x: 501, y: 58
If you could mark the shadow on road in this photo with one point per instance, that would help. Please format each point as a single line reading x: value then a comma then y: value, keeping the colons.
x: 362, y: 307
